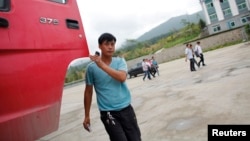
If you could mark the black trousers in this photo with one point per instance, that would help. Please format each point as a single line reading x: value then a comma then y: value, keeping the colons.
x: 201, y: 59
x: 195, y: 61
x: 192, y: 61
x: 121, y: 125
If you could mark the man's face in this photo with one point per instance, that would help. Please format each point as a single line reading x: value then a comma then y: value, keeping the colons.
x: 107, y: 48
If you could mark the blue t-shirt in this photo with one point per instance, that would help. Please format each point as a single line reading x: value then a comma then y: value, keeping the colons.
x: 112, y: 95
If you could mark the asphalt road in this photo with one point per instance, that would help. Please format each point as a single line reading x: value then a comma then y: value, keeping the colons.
x: 178, y: 105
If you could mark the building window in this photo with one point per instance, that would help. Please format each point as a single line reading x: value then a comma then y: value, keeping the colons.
x: 213, y: 17
x: 242, y: 6
x: 232, y: 24
x: 227, y: 12
x: 216, y: 28
x: 245, y: 19
x: 210, y: 5
x: 223, y: 1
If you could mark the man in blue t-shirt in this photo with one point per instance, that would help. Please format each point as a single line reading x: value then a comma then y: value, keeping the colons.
x: 107, y: 75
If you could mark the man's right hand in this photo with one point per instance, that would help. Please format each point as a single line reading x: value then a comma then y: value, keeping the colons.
x: 86, y: 124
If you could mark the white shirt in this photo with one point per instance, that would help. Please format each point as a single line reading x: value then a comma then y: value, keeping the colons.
x: 145, y: 66
x: 189, y: 53
x: 198, y: 48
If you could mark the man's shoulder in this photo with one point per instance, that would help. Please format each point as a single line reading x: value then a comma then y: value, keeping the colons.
x: 118, y: 59
x: 197, y: 46
x: 91, y: 65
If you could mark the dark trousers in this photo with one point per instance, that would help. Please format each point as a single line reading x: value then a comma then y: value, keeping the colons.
x: 196, y: 62
x: 146, y: 73
x: 121, y: 125
x: 152, y: 71
x: 201, y: 59
x: 192, y: 61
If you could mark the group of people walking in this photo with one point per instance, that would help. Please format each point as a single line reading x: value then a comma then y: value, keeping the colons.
x: 150, y: 67
x: 191, y: 52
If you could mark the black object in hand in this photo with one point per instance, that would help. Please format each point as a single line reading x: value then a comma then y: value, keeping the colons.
x: 97, y: 53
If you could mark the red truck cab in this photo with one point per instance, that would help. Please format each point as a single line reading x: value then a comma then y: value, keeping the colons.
x: 38, y: 40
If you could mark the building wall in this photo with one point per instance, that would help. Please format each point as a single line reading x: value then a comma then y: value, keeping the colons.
x: 207, y: 43
x: 224, y: 21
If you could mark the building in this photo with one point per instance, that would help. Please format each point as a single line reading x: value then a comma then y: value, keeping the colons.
x: 222, y: 15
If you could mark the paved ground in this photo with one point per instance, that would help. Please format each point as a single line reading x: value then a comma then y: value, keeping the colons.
x: 176, y: 106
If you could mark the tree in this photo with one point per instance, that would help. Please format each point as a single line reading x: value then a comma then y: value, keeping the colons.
x: 247, y: 28
x: 202, y: 24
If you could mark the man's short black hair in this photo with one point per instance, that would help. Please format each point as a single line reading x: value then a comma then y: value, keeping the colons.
x: 106, y: 37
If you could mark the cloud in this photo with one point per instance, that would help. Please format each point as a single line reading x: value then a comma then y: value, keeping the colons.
x: 128, y: 19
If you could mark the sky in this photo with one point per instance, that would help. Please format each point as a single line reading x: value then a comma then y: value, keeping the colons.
x: 128, y: 19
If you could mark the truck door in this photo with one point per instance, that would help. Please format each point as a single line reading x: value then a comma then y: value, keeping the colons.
x: 38, y: 40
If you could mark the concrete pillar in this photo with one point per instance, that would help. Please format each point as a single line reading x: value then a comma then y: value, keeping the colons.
x: 234, y: 8
x: 218, y: 10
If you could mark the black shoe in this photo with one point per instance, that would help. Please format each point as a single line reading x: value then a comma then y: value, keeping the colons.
x: 204, y: 64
